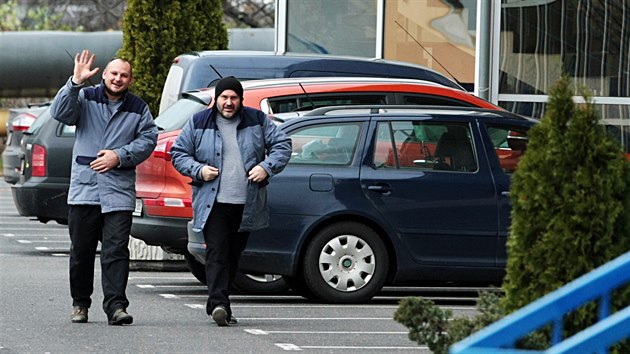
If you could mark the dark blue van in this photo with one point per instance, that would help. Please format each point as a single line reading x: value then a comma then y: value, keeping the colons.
x: 203, y: 69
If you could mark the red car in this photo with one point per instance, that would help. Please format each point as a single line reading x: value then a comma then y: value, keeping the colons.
x: 164, y: 196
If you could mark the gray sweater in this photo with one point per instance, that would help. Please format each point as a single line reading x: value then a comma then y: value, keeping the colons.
x: 232, y: 178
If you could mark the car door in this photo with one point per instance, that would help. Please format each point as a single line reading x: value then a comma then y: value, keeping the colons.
x: 505, y: 145
x: 443, y: 208
x: 320, y: 181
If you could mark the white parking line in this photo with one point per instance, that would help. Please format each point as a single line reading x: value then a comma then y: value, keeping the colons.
x: 61, y: 235
x: 163, y: 277
x: 263, y: 332
x: 171, y: 286
x: 43, y: 241
x: 200, y: 306
x: 309, y: 306
x: 347, y: 306
x: 351, y: 347
x: 34, y: 229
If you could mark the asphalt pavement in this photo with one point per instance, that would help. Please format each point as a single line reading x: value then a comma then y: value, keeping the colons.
x: 169, y: 308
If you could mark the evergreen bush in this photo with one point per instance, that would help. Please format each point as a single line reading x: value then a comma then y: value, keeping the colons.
x: 570, y: 205
x: 570, y: 214
x: 156, y: 31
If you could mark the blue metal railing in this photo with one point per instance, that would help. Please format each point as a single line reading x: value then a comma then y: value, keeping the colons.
x: 501, y: 336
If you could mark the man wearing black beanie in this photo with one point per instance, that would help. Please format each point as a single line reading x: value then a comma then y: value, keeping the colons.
x: 220, y: 149
x: 228, y: 83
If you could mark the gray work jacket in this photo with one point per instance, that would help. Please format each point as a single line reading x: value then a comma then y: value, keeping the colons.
x: 130, y: 132
x: 261, y: 143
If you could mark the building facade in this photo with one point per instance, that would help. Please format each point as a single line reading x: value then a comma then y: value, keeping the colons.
x: 507, y: 51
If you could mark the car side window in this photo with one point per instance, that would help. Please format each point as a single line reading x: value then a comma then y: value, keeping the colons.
x: 424, y: 146
x: 433, y: 100
x: 303, y: 102
x: 509, y: 145
x: 68, y: 130
x: 325, y: 144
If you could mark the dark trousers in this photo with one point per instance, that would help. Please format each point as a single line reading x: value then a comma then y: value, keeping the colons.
x: 88, y: 226
x: 224, y: 245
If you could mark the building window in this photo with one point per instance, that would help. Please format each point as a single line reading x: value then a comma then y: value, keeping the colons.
x: 589, y: 40
x: 439, y: 34
x: 339, y: 27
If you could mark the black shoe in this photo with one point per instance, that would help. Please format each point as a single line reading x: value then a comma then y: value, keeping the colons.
x: 220, y: 316
x: 121, y: 317
x: 233, y: 320
x: 79, y: 314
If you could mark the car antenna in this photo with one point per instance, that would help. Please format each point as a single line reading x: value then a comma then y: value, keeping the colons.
x: 307, y: 95
x: 72, y: 58
x: 216, y: 71
x: 425, y: 49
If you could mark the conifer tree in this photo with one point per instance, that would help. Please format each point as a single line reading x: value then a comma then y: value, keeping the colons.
x: 156, y: 31
x: 570, y: 205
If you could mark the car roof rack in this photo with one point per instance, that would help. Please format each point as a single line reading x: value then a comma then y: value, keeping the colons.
x: 384, y: 108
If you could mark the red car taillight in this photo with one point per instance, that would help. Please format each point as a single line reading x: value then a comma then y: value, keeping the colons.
x: 163, y: 148
x: 38, y: 161
x: 22, y: 122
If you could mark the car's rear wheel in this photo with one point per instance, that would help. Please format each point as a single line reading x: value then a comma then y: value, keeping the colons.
x: 243, y: 283
x: 346, y: 262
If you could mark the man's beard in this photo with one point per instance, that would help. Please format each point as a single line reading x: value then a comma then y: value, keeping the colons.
x: 115, y: 94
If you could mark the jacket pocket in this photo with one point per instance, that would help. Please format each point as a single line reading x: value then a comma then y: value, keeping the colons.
x: 86, y: 176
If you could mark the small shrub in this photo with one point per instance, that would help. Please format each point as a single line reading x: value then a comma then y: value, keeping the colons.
x: 432, y: 326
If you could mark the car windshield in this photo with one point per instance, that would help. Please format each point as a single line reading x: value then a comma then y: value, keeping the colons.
x: 176, y: 116
x: 39, y: 122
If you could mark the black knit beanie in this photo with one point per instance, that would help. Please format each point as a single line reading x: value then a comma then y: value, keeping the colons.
x: 228, y: 83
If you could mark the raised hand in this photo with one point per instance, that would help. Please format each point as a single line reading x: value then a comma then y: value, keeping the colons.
x: 83, y: 67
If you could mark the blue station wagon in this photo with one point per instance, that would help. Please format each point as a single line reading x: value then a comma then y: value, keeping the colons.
x: 388, y: 195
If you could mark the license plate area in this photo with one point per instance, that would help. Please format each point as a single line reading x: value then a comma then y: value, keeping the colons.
x: 138, y: 210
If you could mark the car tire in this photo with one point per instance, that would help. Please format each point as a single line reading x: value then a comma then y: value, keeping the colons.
x: 263, y: 284
x: 243, y: 283
x: 298, y: 286
x: 197, y: 269
x: 346, y: 262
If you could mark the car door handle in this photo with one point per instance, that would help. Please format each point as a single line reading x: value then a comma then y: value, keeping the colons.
x: 381, y: 188
x: 505, y: 193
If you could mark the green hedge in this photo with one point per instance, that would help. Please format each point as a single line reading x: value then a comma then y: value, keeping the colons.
x: 155, y: 32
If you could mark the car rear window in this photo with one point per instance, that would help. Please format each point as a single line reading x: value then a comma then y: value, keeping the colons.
x: 39, y: 122
x: 176, y: 116
x: 303, y: 102
x: 433, y: 100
